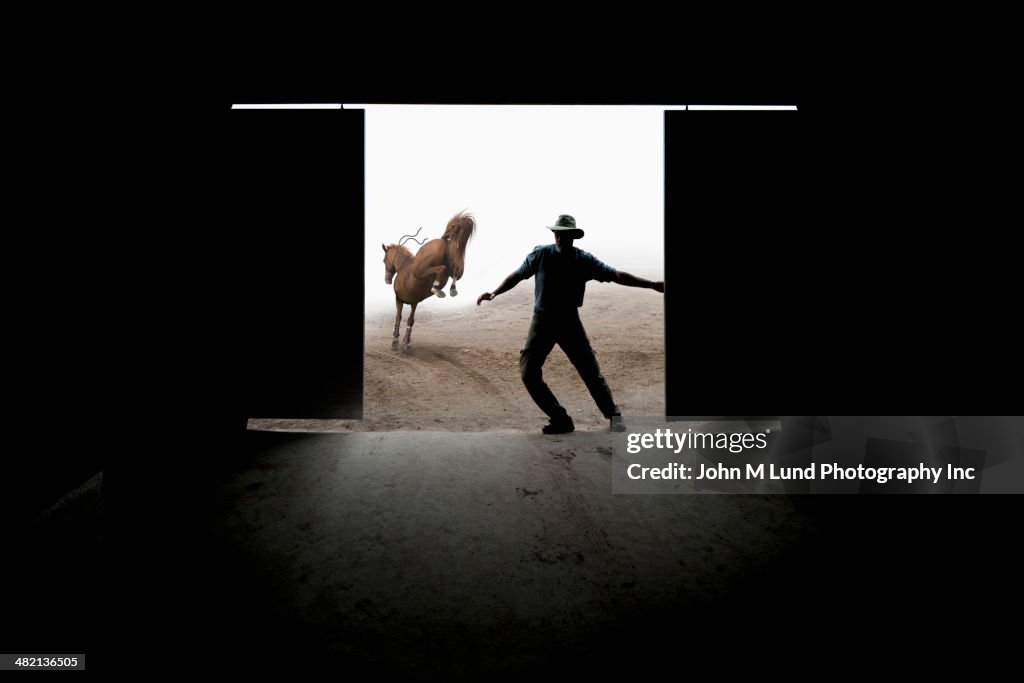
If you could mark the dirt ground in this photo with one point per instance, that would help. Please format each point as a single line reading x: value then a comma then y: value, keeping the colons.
x: 461, y: 372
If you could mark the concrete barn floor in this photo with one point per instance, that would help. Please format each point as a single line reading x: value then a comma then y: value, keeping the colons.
x: 458, y: 553
x: 446, y: 556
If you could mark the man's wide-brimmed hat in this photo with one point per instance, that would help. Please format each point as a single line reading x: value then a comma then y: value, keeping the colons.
x: 566, y: 223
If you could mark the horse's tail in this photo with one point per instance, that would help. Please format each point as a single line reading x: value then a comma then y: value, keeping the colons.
x: 460, y: 228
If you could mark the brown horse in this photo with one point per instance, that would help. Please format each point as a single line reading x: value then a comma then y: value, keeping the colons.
x: 425, y: 274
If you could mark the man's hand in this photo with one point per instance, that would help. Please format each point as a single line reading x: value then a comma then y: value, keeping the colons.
x: 659, y: 286
x: 506, y: 284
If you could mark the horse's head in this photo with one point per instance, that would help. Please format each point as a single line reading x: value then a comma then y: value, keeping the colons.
x: 390, y: 255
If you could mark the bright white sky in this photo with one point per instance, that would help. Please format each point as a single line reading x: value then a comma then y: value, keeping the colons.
x: 516, y: 169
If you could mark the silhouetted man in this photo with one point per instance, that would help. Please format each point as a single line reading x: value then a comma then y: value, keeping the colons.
x: 562, y: 273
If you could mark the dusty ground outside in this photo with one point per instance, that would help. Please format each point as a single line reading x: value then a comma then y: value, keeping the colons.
x: 461, y: 372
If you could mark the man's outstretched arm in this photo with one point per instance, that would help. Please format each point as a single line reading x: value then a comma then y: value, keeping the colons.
x: 506, y: 284
x: 630, y: 280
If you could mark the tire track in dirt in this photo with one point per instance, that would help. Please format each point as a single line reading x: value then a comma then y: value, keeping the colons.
x: 444, y: 385
x: 424, y: 369
x: 479, y: 380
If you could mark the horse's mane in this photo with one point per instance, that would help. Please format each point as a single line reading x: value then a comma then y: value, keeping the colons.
x: 460, y: 228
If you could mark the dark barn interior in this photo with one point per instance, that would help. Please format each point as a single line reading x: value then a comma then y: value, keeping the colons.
x: 152, y: 559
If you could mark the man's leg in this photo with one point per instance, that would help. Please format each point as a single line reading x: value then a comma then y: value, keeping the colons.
x: 539, y: 342
x: 577, y: 347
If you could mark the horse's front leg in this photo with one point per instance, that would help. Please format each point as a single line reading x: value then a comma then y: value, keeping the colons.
x: 398, y: 318
x: 408, y: 326
x: 452, y: 290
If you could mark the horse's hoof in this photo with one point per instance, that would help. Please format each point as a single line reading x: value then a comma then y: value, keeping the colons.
x: 439, y: 293
x: 454, y: 292
x: 394, y: 343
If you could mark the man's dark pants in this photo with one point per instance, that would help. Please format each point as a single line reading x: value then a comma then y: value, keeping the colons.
x: 566, y: 330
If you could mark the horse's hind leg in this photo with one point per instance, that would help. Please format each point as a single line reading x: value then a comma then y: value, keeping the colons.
x: 439, y: 273
x: 439, y: 280
x: 408, y: 326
